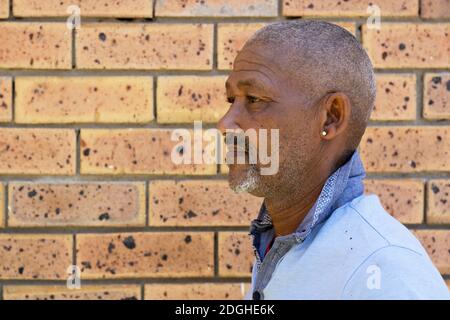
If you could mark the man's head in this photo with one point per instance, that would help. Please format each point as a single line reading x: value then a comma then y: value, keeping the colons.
x: 314, y: 82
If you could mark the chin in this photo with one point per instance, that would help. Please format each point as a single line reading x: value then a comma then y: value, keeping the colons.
x: 244, y: 178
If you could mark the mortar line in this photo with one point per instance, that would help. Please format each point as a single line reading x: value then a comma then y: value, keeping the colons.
x: 147, y: 204
x: 73, y: 47
x: 110, y: 230
x: 111, y: 178
x: 189, y: 125
x: 223, y: 19
x: 132, y: 281
x: 77, y: 152
x: 215, y: 54
x: 216, y: 253
x: 425, y: 202
x: 7, y: 204
x: 13, y: 100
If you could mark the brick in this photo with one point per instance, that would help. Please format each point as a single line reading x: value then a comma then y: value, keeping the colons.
x: 29, y: 45
x: 438, y: 208
x: 407, y: 45
x: 84, y: 99
x: 396, y: 97
x: 4, y: 9
x: 435, y: 9
x: 5, y: 99
x: 349, y: 8
x: 88, y: 8
x: 196, y: 291
x: 55, y: 292
x: 235, y: 254
x: 134, y: 151
x: 76, y: 204
x: 140, y: 255
x: 37, y: 151
x: 231, y: 37
x: 184, y: 99
x: 403, y: 199
x: 33, y: 256
x: 436, y: 96
x: 406, y: 149
x: 2, y: 205
x: 437, y: 244
x: 217, y: 8
x: 145, y: 46
x: 199, y: 203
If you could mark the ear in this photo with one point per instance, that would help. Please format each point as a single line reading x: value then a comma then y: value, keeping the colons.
x: 335, y: 115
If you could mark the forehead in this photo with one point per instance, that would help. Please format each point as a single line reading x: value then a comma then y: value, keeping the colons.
x: 255, y: 67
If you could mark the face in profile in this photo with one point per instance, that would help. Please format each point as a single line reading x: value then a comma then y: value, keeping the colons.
x: 264, y: 101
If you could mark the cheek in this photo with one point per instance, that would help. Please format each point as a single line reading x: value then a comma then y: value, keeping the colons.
x: 298, y: 143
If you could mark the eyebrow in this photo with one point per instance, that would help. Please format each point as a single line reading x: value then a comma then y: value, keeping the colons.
x: 249, y: 82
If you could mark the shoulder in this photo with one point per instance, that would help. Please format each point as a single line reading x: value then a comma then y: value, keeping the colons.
x: 394, y: 272
x: 388, y: 253
x: 365, y: 219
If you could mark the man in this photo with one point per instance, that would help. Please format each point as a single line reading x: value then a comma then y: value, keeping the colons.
x: 317, y: 236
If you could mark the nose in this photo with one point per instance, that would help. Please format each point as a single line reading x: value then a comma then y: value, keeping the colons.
x: 230, y: 120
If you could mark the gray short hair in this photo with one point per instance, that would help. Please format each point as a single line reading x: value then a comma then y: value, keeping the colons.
x: 325, y: 58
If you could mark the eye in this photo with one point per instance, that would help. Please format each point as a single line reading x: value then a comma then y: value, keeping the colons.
x: 253, y: 99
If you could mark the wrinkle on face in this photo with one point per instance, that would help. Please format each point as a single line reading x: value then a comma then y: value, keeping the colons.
x: 260, y: 75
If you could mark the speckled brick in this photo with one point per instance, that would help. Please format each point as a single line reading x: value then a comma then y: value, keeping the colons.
x: 216, y: 8
x: 33, y: 45
x: 235, y: 254
x: 230, y: 39
x: 144, y: 46
x: 141, y: 255
x: 438, y: 208
x: 5, y: 99
x: 86, y: 292
x: 200, y: 203
x: 2, y: 205
x: 232, y: 36
x: 88, y: 8
x: 396, y: 97
x: 185, y: 99
x: 33, y: 256
x: 76, y: 204
x: 406, y: 149
x: 134, y: 151
x: 436, y: 96
x: 407, y: 45
x: 37, y: 151
x: 435, y: 9
x: 403, y: 199
x: 84, y: 99
x: 4, y: 9
x: 196, y: 291
x: 349, y: 8
x: 437, y: 244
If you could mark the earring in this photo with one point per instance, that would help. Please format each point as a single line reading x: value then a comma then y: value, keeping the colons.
x: 324, y: 133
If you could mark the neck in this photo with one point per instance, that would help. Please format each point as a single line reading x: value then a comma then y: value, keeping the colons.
x: 288, y: 212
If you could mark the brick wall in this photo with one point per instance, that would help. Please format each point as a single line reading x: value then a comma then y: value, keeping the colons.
x: 86, y: 118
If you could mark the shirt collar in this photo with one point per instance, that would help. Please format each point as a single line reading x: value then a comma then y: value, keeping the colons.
x: 342, y: 186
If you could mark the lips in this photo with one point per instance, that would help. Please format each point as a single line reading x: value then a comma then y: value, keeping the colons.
x: 237, y: 155
x: 234, y: 148
x: 238, y: 150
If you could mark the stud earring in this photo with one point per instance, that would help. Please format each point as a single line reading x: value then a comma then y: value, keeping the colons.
x: 324, y: 133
